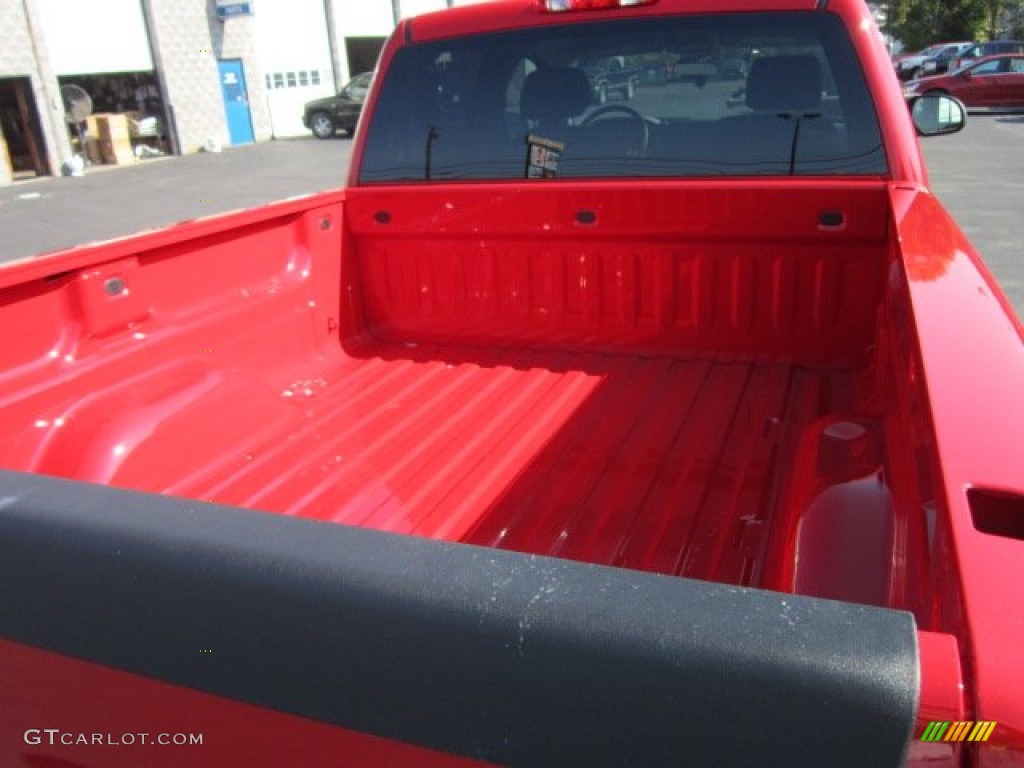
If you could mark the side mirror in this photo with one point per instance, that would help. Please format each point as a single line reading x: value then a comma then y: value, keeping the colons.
x: 937, y: 114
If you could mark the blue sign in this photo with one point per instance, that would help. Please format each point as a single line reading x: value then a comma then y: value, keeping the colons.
x: 228, y: 8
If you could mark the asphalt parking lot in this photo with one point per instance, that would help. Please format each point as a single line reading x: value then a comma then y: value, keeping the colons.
x: 977, y: 174
x: 49, y: 214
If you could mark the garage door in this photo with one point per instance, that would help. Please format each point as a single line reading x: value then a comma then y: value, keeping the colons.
x: 296, y: 58
x: 95, y: 36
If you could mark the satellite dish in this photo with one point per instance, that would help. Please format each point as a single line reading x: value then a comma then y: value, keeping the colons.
x: 77, y: 103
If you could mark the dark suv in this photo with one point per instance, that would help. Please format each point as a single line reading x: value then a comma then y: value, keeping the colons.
x: 938, y: 63
x: 991, y: 48
x: 327, y: 116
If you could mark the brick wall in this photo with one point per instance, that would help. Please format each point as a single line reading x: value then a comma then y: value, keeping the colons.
x: 19, y: 58
x: 188, y: 39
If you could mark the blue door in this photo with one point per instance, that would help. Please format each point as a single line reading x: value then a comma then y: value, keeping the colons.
x: 236, y: 101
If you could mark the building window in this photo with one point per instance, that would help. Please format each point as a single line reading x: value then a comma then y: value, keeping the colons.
x: 303, y: 78
x: 314, y: 77
x: 270, y: 83
x: 291, y: 79
x: 278, y: 80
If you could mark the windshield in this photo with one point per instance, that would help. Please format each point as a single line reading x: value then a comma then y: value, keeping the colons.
x: 757, y: 94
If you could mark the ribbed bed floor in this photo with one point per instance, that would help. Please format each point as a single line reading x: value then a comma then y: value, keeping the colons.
x: 659, y: 464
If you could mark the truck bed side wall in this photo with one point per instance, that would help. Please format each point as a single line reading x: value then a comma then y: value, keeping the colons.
x: 790, y: 270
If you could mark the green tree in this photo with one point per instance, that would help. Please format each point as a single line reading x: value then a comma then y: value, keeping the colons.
x: 993, y: 13
x: 918, y: 23
x: 1008, y: 19
x: 1004, y: 18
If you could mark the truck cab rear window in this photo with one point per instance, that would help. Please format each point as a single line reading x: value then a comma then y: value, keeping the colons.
x: 724, y: 95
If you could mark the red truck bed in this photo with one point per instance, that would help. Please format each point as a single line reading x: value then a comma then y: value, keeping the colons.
x: 654, y: 424
x: 612, y: 459
x: 734, y: 395
x: 733, y: 339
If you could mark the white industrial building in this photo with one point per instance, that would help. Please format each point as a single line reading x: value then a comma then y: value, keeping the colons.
x: 189, y: 73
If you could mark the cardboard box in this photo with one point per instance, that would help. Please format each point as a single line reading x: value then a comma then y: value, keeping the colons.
x: 116, y: 153
x: 113, y: 127
x: 92, y: 126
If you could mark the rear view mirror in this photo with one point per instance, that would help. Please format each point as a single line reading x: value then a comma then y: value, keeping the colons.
x: 937, y: 114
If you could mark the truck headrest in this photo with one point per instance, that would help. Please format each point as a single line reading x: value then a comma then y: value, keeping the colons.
x: 784, y: 83
x: 554, y: 94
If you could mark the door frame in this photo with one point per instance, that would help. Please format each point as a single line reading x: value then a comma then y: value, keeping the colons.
x: 28, y: 117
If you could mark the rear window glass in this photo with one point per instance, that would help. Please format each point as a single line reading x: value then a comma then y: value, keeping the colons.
x: 722, y: 95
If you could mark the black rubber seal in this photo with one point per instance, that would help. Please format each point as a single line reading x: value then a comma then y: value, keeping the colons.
x: 511, y: 658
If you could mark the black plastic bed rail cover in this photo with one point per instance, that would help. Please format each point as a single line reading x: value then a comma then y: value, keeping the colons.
x: 516, y: 659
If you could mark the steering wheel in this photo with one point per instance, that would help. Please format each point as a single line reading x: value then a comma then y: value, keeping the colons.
x: 635, y: 148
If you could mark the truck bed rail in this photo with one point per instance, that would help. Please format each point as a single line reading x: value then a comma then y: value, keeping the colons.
x: 515, y: 659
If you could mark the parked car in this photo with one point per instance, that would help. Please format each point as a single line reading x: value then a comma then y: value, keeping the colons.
x: 939, y: 61
x: 992, y: 82
x: 981, y: 50
x: 325, y: 117
x: 611, y: 76
x: 908, y: 65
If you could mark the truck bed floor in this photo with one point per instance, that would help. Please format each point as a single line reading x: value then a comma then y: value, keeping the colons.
x: 662, y: 464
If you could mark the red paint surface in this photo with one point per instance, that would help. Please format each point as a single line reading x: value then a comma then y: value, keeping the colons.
x: 972, y: 365
x: 661, y: 401
x: 607, y: 396
x: 80, y: 698
x: 701, y: 382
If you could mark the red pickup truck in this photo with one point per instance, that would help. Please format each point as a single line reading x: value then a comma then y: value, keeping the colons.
x: 682, y: 430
